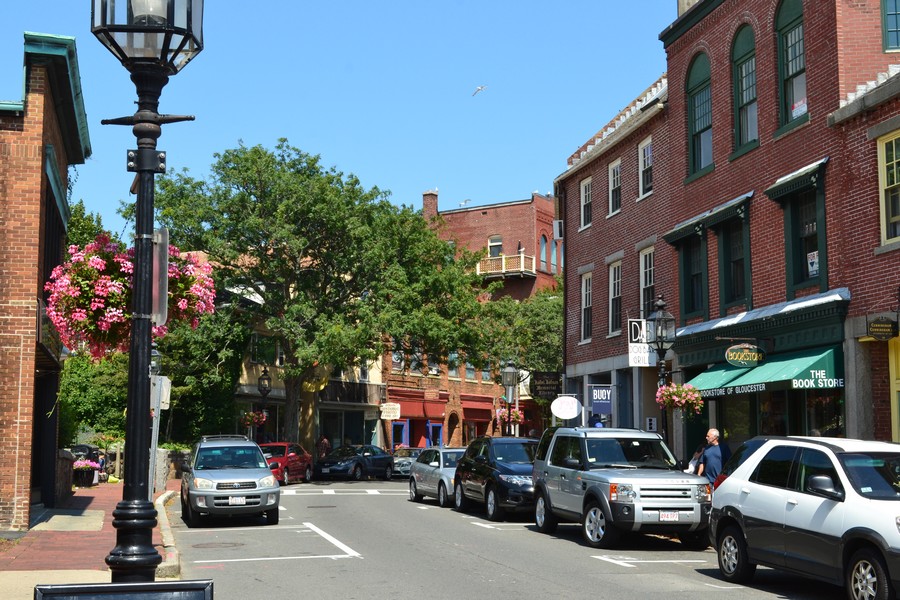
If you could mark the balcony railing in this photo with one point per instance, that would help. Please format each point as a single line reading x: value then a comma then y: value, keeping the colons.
x: 514, y: 265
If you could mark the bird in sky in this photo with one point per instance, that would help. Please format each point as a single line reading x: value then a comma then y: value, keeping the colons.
x: 478, y: 89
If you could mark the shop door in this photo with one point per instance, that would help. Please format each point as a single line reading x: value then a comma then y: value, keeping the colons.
x: 435, y: 434
x: 400, y: 433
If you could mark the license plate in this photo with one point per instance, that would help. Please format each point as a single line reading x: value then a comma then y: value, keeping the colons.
x: 326, y: 470
x: 668, y: 515
x: 237, y: 501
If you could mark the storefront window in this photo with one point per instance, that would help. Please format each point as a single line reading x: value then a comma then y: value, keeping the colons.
x: 773, y: 414
x: 824, y: 414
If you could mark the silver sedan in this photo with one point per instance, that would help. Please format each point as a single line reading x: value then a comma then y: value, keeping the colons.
x: 432, y: 475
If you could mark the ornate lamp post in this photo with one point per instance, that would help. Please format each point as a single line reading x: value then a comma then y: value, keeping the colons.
x: 264, y: 387
x: 153, y: 39
x: 661, y: 336
x: 509, y: 376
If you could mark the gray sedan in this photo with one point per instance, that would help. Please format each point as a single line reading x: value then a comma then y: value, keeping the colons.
x: 432, y: 475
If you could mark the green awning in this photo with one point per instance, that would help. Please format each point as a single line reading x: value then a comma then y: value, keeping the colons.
x: 811, y: 369
x: 716, y: 377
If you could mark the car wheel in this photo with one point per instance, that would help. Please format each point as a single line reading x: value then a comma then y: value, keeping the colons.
x: 598, y: 532
x: 307, y: 476
x: 695, y: 540
x: 287, y: 477
x: 272, y: 516
x: 188, y: 515
x: 734, y: 564
x: 459, y: 498
x: 867, y: 577
x: 414, y: 495
x: 492, y: 505
x: 388, y: 472
x: 443, y: 496
x: 543, y: 516
x: 357, y: 473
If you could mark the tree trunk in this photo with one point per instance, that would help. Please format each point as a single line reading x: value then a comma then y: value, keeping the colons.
x: 292, y: 387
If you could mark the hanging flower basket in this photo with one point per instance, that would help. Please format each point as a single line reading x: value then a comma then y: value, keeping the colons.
x: 251, y: 418
x: 684, y: 397
x: 90, y: 295
x: 84, y: 472
x: 512, y: 415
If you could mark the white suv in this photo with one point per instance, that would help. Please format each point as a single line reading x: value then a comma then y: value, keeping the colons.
x: 825, y: 508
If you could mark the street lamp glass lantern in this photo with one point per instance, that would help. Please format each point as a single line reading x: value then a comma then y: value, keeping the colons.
x: 264, y: 383
x: 508, y: 375
x: 661, y: 327
x: 165, y: 34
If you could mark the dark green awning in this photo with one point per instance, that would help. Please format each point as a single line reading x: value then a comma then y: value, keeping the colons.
x: 811, y: 369
x: 717, y: 376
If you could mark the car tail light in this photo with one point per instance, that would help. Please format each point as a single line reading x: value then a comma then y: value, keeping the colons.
x: 719, y: 479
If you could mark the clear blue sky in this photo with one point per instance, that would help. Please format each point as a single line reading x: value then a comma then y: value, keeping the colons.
x: 380, y: 89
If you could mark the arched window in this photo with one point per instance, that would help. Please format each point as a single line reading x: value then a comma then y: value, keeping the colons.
x: 791, y: 63
x: 699, y: 107
x: 543, y: 253
x: 553, y: 256
x: 743, y: 64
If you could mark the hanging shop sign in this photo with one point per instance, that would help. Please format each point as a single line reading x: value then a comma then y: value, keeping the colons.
x: 390, y: 411
x: 601, y: 399
x: 744, y: 355
x: 565, y: 407
x: 882, y: 328
x: 546, y: 384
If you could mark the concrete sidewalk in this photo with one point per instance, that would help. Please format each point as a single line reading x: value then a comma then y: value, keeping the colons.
x: 69, y: 544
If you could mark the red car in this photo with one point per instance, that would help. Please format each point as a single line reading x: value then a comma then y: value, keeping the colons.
x: 289, y: 462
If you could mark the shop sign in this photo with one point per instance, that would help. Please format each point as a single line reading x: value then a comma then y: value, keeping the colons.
x: 601, y: 399
x: 390, y: 411
x: 818, y: 379
x: 882, y: 329
x: 744, y: 355
x: 546, y: 384
x: 565, y: 407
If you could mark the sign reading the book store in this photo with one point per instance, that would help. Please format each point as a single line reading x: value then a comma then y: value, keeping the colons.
x: 744, y: 355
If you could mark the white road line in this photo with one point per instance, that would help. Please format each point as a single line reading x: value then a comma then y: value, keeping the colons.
x: 725, y: 587
x: 615, y: 562
x: 269, y: 558
x: 350, y: 551
x: 628, y: 562
x: 373, y: 492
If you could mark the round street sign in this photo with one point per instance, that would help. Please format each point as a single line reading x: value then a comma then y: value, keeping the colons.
x: 565, y: 407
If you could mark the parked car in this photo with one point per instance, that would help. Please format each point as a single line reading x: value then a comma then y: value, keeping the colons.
x: 496, y: 472
x: 824, y: 508
x: 228, y: 475
x: 616, y: 481
x: 289, y: 462
x: 403, y: 459
x: 356, y: 462
x: 432, y: 475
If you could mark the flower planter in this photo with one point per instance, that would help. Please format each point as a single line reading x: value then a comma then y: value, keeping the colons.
x: 83, y: 477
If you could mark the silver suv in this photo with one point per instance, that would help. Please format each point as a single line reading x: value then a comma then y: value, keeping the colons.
x: 614, y: 481
x: 228, y: 475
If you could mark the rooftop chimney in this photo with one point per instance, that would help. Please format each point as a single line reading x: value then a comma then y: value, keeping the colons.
x: 429, y: 204
x: 685, y: 5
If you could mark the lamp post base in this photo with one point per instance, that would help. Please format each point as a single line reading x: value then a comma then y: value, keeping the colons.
x: 134, y: 559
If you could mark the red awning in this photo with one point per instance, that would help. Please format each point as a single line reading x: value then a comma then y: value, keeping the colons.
x: 420, y: 409
x: 474, y: 414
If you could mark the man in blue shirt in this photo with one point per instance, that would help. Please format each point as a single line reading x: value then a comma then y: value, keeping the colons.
x: 714, y: 456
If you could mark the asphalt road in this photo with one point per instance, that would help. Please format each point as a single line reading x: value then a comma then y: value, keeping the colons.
x: 366, y: 540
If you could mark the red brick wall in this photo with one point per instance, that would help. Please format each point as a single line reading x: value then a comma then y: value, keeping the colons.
x: 22, y: 187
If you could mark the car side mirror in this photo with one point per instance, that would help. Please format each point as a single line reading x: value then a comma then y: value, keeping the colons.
x: 367, y: 454
x: 571, y: 462
x: 481, y: 459
x: 822, y: 485
x: 273, y: 466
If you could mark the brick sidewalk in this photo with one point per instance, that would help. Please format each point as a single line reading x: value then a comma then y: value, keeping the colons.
x: 76, y: 549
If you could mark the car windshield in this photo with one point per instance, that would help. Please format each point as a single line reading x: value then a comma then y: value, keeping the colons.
x: 274, y: 450
x: 515, y: 453
x: 345, y: 452
x: 628, y: 452
x: 875, y: 475
x: 231, y: 458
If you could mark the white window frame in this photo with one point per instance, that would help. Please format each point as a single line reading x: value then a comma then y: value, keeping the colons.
x: 615, y: 182
x: 586, y: 206
x: 647, y: 259
x: 615, y: 293
x: 645, y: 161
x: 495, y: 242
x: 884, y: 184
x: 586, y: 311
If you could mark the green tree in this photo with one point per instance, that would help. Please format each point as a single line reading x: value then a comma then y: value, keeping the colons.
x: 326, y: 266
x: 83, y: 226
x: 93, y: 394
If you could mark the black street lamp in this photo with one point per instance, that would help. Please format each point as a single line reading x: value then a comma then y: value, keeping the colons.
x: 661, y: 336
x: 509, y: 376
x: 264, y: 387
x: 153, y: 39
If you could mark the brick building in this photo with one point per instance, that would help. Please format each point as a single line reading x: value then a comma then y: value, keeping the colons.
x: 452, y: 405
x: 774, y: 221
x: 40, y: 137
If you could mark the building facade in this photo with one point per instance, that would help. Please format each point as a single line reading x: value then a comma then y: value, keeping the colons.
x: 777, y: 222
x: 41, y: 136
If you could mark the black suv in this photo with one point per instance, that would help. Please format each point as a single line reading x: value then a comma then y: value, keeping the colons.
x: 497, y: 473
